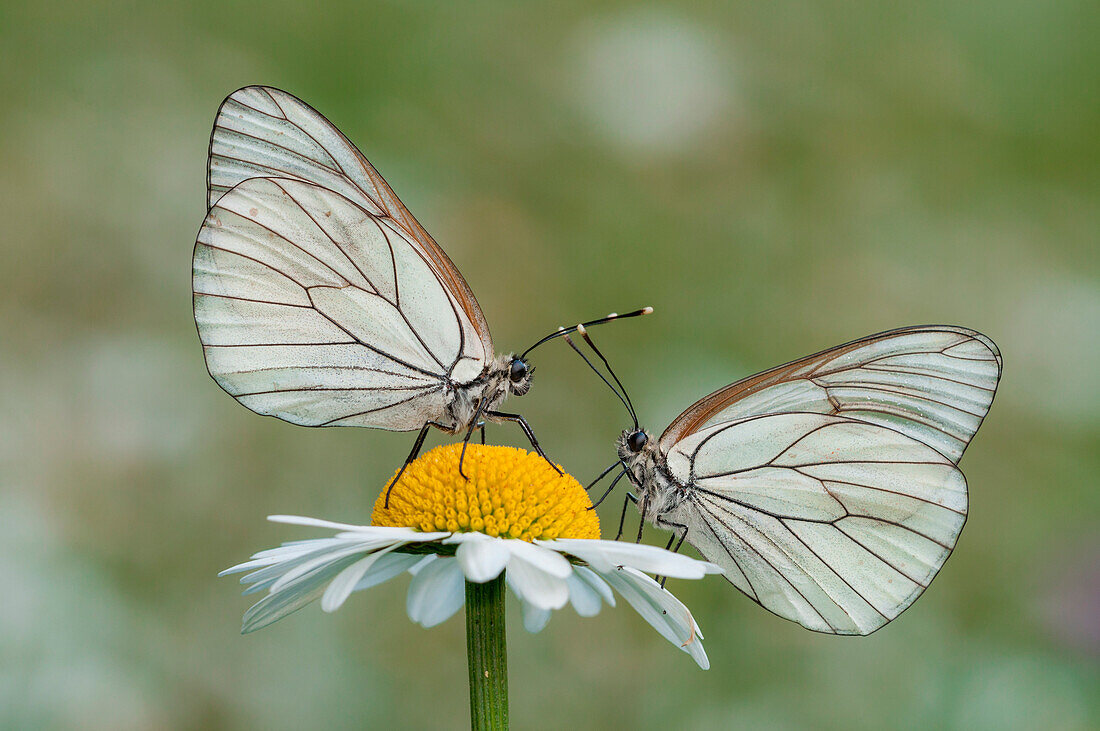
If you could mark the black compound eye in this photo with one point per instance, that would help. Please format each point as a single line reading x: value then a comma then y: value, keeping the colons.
x: 518, y: 371
x: 637, y: 441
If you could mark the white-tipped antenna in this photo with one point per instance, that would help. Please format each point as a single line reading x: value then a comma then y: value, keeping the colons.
x: 596, y: 370
x: 629, y: 404
x: 566, y: 330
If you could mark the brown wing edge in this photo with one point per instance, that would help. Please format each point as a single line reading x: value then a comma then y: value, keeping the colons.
x: 444, y: 268
x: 702, y: 410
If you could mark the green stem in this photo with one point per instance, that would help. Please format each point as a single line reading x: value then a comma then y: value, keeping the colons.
x: 487, y: 655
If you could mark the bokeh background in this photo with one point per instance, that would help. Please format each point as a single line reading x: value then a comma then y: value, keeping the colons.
x: 774, y: 178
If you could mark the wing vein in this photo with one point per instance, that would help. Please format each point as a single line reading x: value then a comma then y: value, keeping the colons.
x: 310, y: 135
x: 247, y: 299
x: 335, y: 388
x: 835, y: 573
x: 329, y: 237
x: 884, y: 389
x: 261, y: 263
x: 754, y: 596
x: 882, y: 489
x: 281, y: 172
x: 910, y: 371
x: 281, y: 147
x: 368, y: 346
x: 284, y: 238
x: 279, y: 345
x: 260, y: 111
x: 758, y: 509
x: 773, y: 567
x: 379, y: 408
x: 880, y: 558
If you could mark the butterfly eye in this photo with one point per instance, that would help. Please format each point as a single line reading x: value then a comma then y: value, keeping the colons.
x: 637, y: 441
x: 518, y: 371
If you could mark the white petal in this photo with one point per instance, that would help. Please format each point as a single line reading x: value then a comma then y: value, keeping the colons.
x: 419, y: 565
x: 605, y: 555
x: 534, y: 619
x: 265, y: 578
x: 301, y: 548
x: 596, y: 583
x: 346, y: 581
x: 408, y: 535
x: 582, y: 594
x: 664, y: 612
x: 317, y: 523
x: 389, y: 566
x: 436, y: 592
x: 456, y: 538
x: 277, y: 605
x: 482, y: 560
x: 544, y: 559
x: 384, y: 534
x: 286, y: 552
x: 291, y: 562
x: 535, y: 586
x: 246, y: 566
x: 296, y: 573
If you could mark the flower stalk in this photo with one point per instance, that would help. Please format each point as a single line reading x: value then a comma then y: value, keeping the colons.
x: 487, y: 655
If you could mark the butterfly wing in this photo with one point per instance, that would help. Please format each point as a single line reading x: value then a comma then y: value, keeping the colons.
x: 932, y: 383
x: 834, y: 523
x: 261, y: 132
x: 314, y: 308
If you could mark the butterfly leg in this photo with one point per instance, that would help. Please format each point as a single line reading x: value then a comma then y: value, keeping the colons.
x: 481, y: 426
x: 526, y: 430
x: 417, y: 446
x: 672, y: 538
x: 644, y: 508
x: 607, y: 491
x: 596, y: 481
x: 630, y: 497
x: 601, y: 476
x: 469, y: 433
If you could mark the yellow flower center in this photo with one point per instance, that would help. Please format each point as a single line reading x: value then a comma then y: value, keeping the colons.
x: 511, y: 493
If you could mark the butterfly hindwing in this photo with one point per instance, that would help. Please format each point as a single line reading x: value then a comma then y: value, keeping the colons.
x: 834, y: 523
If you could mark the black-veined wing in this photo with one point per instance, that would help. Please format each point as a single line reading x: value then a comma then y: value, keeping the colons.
x: 833, y: 523
x: 315, y: 309
x: 932, y: 383
x: 267, y: 133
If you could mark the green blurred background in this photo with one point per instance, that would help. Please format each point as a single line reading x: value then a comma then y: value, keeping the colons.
x: 774, y: 178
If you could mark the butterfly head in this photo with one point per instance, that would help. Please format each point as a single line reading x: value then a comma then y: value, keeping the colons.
x: 633, y: 444
x: 519, y: 376
x: 637, y: 451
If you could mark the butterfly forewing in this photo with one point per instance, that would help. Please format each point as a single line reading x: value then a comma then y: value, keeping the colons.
x: 313, y: 309
x: 264, y: 132
x: 834, y: 523
x: 934, y: 384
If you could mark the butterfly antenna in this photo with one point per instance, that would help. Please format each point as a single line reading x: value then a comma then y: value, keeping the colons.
x: 602, y: 378
x: 629, y: 404
x: 566, y: 330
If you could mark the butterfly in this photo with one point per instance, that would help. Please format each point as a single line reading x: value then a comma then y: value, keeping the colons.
x: 827, y: 488
x: 320, y: 300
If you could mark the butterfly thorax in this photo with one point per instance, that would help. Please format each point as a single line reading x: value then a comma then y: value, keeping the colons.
x: 495, y: 384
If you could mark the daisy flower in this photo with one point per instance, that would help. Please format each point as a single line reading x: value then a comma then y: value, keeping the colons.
x: 515, y: 516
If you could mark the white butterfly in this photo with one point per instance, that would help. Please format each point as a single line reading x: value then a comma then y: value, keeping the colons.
x: 827, y: 488
x: 318, y: 297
